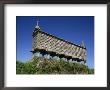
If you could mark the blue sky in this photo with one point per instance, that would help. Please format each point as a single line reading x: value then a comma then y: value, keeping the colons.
x: 72, y: 28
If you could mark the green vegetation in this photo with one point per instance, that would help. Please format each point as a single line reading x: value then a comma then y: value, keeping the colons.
x: 40, y: 65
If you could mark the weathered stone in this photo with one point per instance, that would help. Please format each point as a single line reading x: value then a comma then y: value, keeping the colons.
x: 50, y: 43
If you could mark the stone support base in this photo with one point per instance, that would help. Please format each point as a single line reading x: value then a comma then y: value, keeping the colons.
x: 56, y: 57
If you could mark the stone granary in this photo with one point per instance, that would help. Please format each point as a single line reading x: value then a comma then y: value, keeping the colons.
x: 52, y: 47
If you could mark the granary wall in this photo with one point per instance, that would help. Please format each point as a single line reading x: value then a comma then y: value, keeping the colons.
x: 50, y: 43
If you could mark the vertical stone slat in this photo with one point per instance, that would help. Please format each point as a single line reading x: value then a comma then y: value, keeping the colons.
x: 49, y: 43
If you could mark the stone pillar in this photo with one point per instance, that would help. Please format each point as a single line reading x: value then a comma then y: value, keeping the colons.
x: 70, y: 60
x: 40, y: 55
x: 37, y: 54
x: 51, y: 57
x: 81, y: 62
x: 56, y: 57
x: 63, y: 59
x: 33, y: 55
x: 73, y: 61
x: 48, y: 56
x: 84, y: 62
x: 43, y: 53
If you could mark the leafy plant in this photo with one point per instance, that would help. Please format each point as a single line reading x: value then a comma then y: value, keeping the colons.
x: 40, y: 65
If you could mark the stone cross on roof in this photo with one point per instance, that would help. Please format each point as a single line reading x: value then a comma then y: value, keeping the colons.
x: 37, y: 23
x: 37, y: 26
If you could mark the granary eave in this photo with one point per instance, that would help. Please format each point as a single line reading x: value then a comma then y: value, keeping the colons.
x: 60, y: 39
x: 55, y: 53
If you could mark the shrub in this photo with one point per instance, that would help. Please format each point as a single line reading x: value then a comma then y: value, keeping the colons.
x: 40, y: 65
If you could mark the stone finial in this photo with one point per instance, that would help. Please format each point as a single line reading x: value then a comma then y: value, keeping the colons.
x: 83, y: 45
x: 37, y: 26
